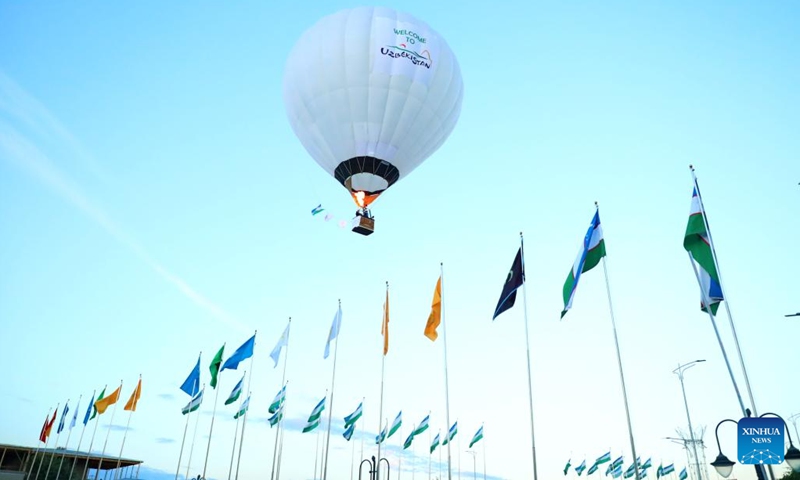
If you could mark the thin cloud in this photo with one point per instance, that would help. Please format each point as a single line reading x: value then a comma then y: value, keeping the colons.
x: 166, y: 396
x: 117, y: 428
x: 25, y: 155
x: 163, y: 440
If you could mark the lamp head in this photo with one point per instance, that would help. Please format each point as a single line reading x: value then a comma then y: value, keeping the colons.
x: 792, y: 458
x: 723, y: 465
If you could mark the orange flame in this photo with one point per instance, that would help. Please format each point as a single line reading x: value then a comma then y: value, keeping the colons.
x: 359, y: 198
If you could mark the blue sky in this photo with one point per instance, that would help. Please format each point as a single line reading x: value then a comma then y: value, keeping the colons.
x: 155, y: 203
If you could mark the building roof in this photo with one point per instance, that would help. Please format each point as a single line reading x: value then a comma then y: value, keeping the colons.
x: 13, y: 455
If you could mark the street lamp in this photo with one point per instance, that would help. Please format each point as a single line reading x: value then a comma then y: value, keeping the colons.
x: 679, y: 372
x: 724, y: 466
x: 793, y: 419
x: 474, y: 463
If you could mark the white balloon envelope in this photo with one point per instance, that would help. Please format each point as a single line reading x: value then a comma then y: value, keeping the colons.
x: 371, y: 93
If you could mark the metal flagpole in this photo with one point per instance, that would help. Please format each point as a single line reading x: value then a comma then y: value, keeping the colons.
x: 413, y: 448
x: 278, y: 430
x: 124, y: 436
x: 528, y: 351
x: 383, y: 370
x: 430, y: 454
x: 446, y: 379
x: 91, y: 442
x: 80, y: 441
x: 279, y: 433
x: 352, y: 454
x: 316, y: 456
x: 619, y: 363
x: 726, y: 301
x: 58, y: 435
x: 333, y: 383
x: 400, y: 455
x: 440, y: 455
x: 235, y: 435
x: 459, y: 455
x: 38, y: 447
x: 46, y: 443
x: 185, y: 429
x: 484, y: 456
x: 244, y: 419
x: 110, y: 424
x: 362, y: 438
x: 194, y: 437
x: 213, y: 414
x: 69, y: 435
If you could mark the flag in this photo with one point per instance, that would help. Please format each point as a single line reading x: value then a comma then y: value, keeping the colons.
x: 477, y: 437
x: 380, y: 437
x: 606, y: 457
x: 592, y: 469
x: 131, y: 405
x: 194, y: 403
x: 435, y: 442
x: 337, y: 323
x: 102, y: 404
x: 647, y: 464
x: 235, y: 393
x: 617, y: 472
x: 275, y: 354
x: 435, y: 317
x: 243, y: 408
x: 566, y: 467
x: 75, y: 415
x: 49, y: 427
x: 63, y: 418
x: 317, y: 209
x: 580, y: 468
x: 314, y: 418
x: 409, y: 440
x: 592, y: 250
x: 90, y: 409
x: 617, y: 463
x: 514, y: 280
x: 215, y: 366
x: 42, y: 438
x: 451, y: 433
x: 385, y: 324
x: 659, y: 471
x: 348, y: 432
x: 683, y: 475
x: 696, y: 242
x: 242, y: 353
x: 423, y: 425
x: 192, y: 383
x: 643, y: 474
x: 396, y: 424
x: 353, y: 417
x: 668, y: 469
x: 278, y: 415
x: 632, y: 469
x: 94, y: 408
x: 277, y: 402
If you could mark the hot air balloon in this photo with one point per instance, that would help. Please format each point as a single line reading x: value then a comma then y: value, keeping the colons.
x: 371, y: 93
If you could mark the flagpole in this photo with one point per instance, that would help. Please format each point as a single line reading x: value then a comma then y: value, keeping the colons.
x: 333, y: 384
x: 726, y: 301
x: 135, y: 392
x: 91, y: 442
x: 413, y: 449
x: 58, y: 435
x: 244, y: 420
x: 619, y: 363
x: 194, y: 436
x: 446, y: 379
x: 383, y: 371
x: 213, y: 415
x: 46, y: 442
x: 280, y: 454
x: 235, y: 434
x: 484, y: 456
x: 400, y: 455
x: 316, y: 455
x: 80, y: 441
x: 459, y: 454
x: 186, y: 429
x: 528, y: 352
x: 279, y: 432
x: 69, y: 435
x: 38, y: 446
x: 430, y: 454
x: 352, y: 456
x: 362, y: 436
x: 440, y: 456
x: 110, y: 424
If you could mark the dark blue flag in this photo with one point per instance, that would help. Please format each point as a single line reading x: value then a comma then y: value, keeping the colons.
x: 63, y: 417
x: 515, y: 279
x: 192, y: 383
x: 89, y: 410
x: 242, y: 353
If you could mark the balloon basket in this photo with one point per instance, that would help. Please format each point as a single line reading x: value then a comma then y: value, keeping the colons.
x: 363, y: 225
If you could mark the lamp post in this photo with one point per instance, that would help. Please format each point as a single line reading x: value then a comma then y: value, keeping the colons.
x: 793, y: 419
x: 679, y: 372
x: 724, y: 466
x: 474, y: 463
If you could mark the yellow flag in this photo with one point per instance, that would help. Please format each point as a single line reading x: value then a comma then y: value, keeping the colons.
x: 102, y: 404
x: 131, y: 405
x: 435, y: 318
x: 385, y: 324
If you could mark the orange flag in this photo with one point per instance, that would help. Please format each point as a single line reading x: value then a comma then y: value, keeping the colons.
x: 102, y: 404
x: 49, y: 426
x: 435, y: 318
x: 131, y: 405
x: 385, y: 324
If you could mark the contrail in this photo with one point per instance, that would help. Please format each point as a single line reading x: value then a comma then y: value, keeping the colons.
x: 19, y: 151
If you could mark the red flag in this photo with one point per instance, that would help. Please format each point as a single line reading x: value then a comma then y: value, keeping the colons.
x: 49, y: 426
x: 42, y: 438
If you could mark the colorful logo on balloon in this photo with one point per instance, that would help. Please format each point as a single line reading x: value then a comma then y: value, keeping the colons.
x: 404, y: 48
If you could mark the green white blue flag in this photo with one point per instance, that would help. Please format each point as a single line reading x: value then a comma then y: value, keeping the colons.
x: 278, y: 400
x: 380, y: 437
x: 194, y: 403
x: 353, y: 417
x: 477, y: 437
x: 683, y: 475
x: 276, y: 417
x: 348, y: 432
x: 243, y: 408
x: 235, y: 393
x: 423, y: 425
x: 592, y: 250
x: 697, y: 243
x: 409, y: 440
x: 451, y: 434
x: 396, y: 424
x: 606, y: 457
x: 580, y: 468
x: 435, y: 442
x: 668, y: 469
x: 566, y: 467
x: 315, y: 418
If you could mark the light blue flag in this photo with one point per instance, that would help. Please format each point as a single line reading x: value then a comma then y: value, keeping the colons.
x: 192, y: 383
x: 348, y: 433
x: 89, y: 410
x: 337, y: 323
x: 63, y: 417
x: 75, y: 415
x: 242, y: 353
x: 275, y: 354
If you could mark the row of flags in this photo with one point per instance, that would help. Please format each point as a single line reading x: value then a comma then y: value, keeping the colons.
x: 96, y: 407
x: 614, y: 468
